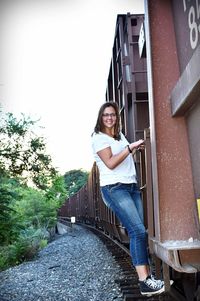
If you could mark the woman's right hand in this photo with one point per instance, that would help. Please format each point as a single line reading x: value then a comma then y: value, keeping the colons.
x: 135, y: 145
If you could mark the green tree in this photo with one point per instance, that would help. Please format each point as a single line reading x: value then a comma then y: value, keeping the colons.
x: 9, y: 225
x: 34, y: 210
x: 74, y: 180
x: 22, y: 152
x: 57, y: 191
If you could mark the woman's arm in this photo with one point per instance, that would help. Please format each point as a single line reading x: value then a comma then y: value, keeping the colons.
x: 112, y: 161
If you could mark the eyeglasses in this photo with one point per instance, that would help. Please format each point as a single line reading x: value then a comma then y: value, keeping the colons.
x: 106, y: 115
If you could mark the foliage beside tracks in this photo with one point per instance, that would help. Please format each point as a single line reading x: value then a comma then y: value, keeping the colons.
x: 27, y: 213
x: 31, y: 190
x: 26, y: 217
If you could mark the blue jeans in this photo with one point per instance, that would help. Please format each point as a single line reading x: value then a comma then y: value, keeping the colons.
x: 125, y: 201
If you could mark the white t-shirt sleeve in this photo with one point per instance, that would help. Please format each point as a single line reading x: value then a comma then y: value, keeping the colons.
x: 124, y: 139
x: 99, y: 142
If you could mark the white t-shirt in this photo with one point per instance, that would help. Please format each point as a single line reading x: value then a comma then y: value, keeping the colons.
x: 125, y: 172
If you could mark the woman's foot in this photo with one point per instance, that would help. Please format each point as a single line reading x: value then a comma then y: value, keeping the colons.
x: 150, y: 286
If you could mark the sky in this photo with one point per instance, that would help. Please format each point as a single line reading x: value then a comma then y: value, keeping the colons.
x: 54, y: 62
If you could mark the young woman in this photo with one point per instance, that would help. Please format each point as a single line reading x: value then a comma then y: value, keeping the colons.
x: 118, y: 184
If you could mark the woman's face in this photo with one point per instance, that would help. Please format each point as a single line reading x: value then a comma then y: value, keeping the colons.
x: 109, y: 117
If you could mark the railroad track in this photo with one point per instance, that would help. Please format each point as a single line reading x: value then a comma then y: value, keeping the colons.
x: 129, y: 283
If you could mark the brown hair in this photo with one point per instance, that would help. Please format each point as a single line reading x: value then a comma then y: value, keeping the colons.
x: 99, y: 124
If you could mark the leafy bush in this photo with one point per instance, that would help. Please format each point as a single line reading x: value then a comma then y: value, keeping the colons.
x: 26, y: 247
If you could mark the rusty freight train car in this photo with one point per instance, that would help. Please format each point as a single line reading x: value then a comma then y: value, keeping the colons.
x: 154, y: 77
x: 172, y: 33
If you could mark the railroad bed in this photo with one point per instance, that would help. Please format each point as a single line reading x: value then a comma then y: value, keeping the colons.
x: 76, y: 266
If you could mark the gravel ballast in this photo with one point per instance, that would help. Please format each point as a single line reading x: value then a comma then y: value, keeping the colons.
x: 76, y: 266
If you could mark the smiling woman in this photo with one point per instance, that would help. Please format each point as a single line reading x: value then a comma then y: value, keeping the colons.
x: 119, y: 189
x: 49, y: 55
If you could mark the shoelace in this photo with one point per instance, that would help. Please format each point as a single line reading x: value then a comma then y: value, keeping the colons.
x: 159, y: 281
x: 153, y: 284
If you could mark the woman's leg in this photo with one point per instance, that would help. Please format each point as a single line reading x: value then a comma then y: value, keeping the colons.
x: 125, y: 202
x: 119, y: 198
x: 142, y: 271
